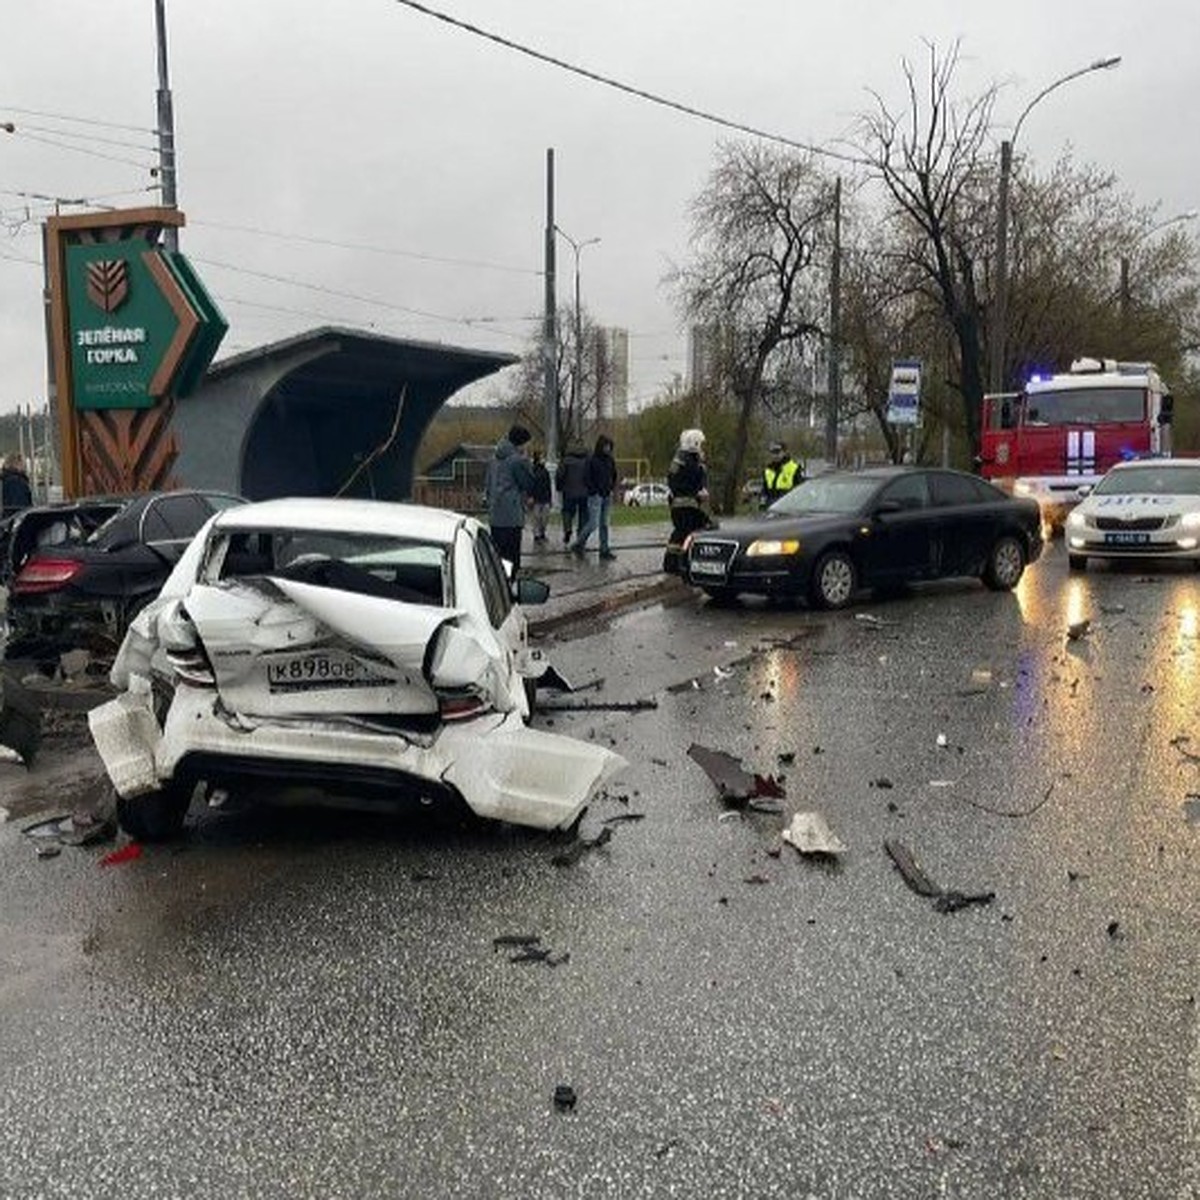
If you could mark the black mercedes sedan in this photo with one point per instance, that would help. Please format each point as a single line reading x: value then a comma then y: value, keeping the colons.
x: 78, y: 572
x: 882, y: 527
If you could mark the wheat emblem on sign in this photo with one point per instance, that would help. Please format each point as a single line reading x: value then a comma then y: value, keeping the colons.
x: 108, y: 283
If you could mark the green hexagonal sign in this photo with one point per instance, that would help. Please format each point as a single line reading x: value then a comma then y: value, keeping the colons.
x: 138, y: 323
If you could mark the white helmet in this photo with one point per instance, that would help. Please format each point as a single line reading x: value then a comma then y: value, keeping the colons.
x: 692, y: 439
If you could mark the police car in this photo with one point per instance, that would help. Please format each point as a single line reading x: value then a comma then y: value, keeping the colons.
x: 1146, y: 508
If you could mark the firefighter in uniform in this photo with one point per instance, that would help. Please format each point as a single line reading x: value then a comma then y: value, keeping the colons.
x: 688, y: 481
x: 780, y: 475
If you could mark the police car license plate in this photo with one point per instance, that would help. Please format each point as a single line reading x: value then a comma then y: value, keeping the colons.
x: 1126, y: 539
x: 319, y: 669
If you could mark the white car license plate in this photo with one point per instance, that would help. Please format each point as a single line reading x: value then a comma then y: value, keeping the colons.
x: 320, y: 669
x: 702, y: 567
x: 1126, y: 539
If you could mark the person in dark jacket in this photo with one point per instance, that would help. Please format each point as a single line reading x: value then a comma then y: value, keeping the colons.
x: 571, y: 480
x: 688, y: 481
x: 601, y: 479
x: 542, y: 496
x: 15, y: 492
x: 509, y: 484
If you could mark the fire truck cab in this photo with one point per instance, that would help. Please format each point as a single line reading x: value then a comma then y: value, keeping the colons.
x: 1063, y: 432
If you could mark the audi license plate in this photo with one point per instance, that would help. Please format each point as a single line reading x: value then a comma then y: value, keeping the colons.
x: 320, y: 669
x: 1126, y: 539
x: 700, y: 566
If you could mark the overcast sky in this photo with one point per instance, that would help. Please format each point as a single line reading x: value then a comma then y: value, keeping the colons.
x: 370, y: 125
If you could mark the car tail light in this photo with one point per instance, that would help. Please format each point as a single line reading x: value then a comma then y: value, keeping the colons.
x: 45, y: 575
x: 459, y: 706
x: 192, y: 666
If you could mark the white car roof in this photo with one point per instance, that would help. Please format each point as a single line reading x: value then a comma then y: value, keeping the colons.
x: 1170, y: 463
x: 346, y: 516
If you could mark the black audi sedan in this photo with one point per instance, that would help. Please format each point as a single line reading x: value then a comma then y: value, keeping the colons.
x: 878, y: 528
x: 78, y: 572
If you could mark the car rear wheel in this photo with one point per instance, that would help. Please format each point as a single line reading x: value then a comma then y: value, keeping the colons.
x: 156, y: 816
x: 834, y: 580
x: 1005, y: 565
x: 1076, y: 562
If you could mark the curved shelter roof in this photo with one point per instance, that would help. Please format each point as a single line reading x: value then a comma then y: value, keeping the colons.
x: 331, y: 412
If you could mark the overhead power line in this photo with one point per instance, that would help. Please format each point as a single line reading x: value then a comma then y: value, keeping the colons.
x: 470, y: 322
x: 628, y: 89
x: 23, y: 127
x: 33, y: 112
x: 34, y: 137
x: 330, y: 242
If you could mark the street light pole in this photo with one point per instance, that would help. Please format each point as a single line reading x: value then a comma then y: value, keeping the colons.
x: 1125, y: 294
x: 577, y: 374
x: 1006, y: 155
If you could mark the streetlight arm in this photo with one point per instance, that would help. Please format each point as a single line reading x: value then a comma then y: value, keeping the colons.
x: 1101, y: 64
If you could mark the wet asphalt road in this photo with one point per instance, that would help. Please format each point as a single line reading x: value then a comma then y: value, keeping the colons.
x: 303, y: 1004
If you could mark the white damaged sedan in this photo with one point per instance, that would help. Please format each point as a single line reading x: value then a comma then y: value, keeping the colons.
x: 1143, y: 509
x: 375, y: 650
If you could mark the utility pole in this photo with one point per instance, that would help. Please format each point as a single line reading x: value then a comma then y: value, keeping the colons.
x: 834, y: 397
x: 550, y: 326
x: 166, y: 125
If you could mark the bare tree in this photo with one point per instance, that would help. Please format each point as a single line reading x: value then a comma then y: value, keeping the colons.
x: 757, y: 226
x: 578, y: 399
x: 931, y: 159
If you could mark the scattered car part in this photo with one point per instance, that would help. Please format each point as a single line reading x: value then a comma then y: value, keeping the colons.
x: 809, y: 833
x: 943, y: 900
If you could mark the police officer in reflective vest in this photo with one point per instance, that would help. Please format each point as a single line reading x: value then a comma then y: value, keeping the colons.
x: 780, y: 475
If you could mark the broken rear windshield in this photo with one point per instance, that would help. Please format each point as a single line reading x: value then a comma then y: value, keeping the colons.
x: 367, y: 564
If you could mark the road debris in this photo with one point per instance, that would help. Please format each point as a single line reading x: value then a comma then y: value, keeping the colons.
x: 600, y: 706
x: 80, y: 828
x: 578, y: 848
x: 564, y: 1097
x: 735, y: 784
x: 979, y: 684
x: 809, y: 833
x: 1079, y: 629
x: 942, y: 740
x: 49, y: 850
x: 621, y: 818
x: 1191, y: 809
x: 514, y: 939
x: 1180, y: 743
x: 127, y: 853
x: 540, y: 954
x: 872, y: 621
x: 881, y: 782
x: 944, y: 901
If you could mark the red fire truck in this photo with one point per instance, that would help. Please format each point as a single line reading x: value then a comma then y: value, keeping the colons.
x: 1065, y: 431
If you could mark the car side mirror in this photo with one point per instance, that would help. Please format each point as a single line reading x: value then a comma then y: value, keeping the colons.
x: 884, y: 507
x: 531, y: 591
x: 1083, y: 491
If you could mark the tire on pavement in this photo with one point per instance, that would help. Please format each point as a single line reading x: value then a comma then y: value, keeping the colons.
x: 1005, y: 564
x: 834, y: 580
x: 1076, y: 562
x: 156, y: 816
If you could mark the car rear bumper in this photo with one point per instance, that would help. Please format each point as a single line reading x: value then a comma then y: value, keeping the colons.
x: 502, y: 769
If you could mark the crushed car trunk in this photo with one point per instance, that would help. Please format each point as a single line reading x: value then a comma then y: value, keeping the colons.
x: 325, y: 683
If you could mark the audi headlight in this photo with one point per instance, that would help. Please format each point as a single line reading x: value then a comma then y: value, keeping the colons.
x: 1190, y: 520
x: 773, y: 547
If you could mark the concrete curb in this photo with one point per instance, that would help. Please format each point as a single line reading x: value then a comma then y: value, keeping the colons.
x: 615, y: 601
